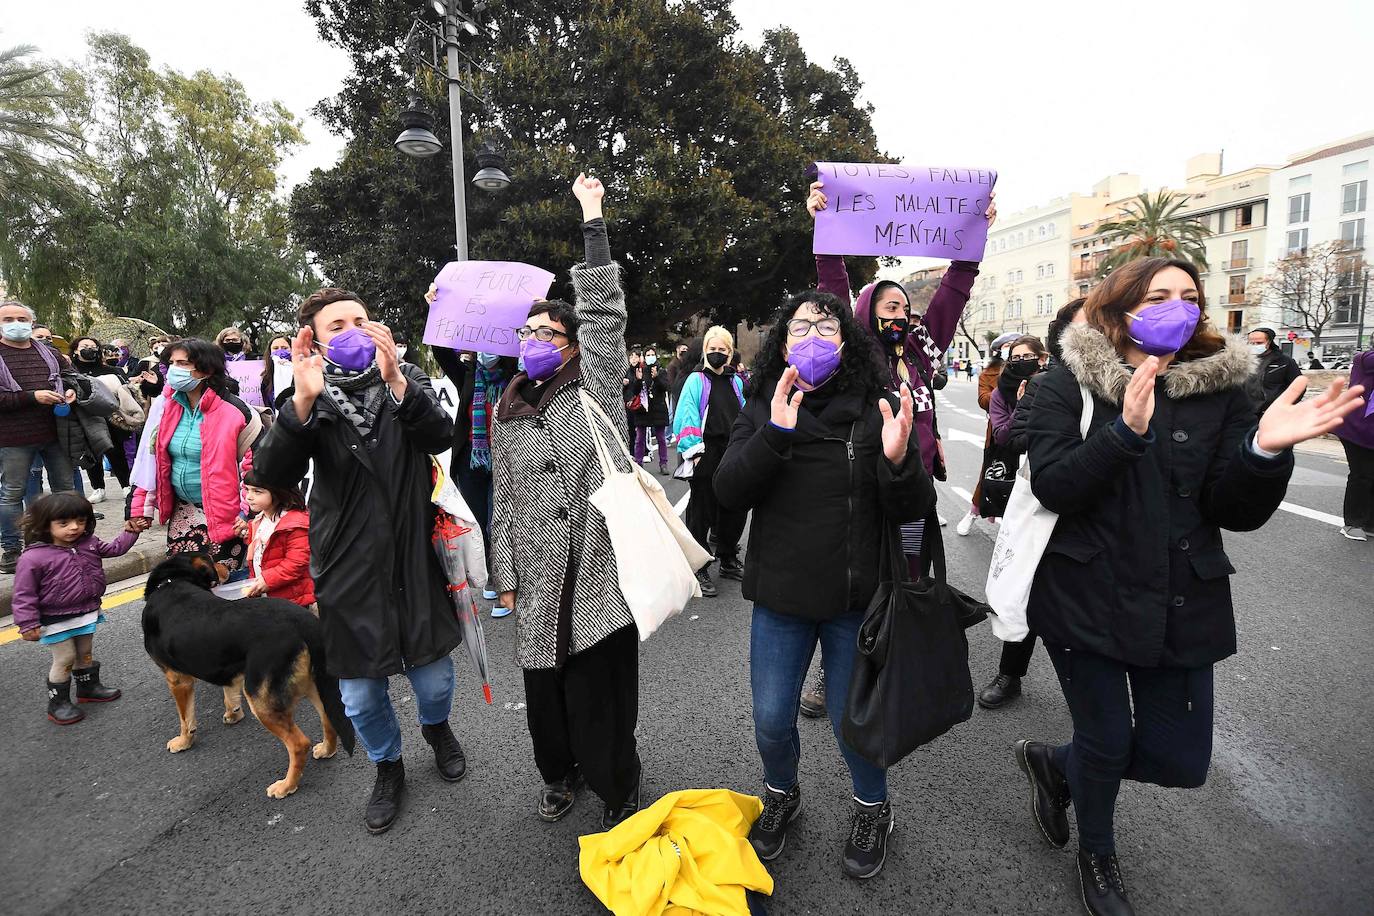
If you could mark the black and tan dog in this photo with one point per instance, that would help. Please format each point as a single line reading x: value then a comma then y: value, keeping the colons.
x: 270, y: 649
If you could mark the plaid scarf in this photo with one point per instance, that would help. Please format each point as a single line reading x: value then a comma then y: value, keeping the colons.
x: 486, y: 391
x: 358, y: 395
x: 921, y: 398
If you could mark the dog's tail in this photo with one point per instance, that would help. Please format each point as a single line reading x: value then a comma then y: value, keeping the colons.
x: 328, y: 687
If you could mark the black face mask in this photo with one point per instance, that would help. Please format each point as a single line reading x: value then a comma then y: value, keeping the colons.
x: 893, y: 330
x: 1022, y: 368
x: 716, y: 360
x: 87, y: 355
x: 233, y: 346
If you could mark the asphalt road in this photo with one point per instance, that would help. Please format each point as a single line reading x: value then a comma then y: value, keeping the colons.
x: 100, y: 818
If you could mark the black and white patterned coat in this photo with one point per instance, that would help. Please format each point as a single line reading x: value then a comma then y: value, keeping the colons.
x: 544, y: 467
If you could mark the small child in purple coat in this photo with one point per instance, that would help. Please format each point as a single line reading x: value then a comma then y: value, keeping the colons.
x: 57, y: 592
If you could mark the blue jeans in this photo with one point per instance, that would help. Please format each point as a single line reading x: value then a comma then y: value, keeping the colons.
x: 780, y: 650
x: 368, y: 704
x: 35, y: 488
x: 16, y: 461
x: 1150, y: 725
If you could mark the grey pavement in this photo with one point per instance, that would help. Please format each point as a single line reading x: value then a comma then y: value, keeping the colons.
x: 100, y: 817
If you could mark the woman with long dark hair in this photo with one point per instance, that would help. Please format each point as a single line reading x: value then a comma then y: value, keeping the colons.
x: 276, y: 364
x: 203, y: 434
x: 1132, y: 596
x: 826, y: 462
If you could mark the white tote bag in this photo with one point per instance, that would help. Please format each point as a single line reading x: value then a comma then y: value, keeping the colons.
x: 1021, y: 540
x: 656, y: 558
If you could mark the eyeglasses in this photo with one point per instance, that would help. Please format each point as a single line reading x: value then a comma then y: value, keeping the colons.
x: 1025, y: 358
x: 545, y: 333
x: 800, y: 327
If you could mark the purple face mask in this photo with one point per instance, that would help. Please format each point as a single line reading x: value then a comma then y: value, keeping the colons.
x: 815, y: 359
x: 352, y: 350
x: 282, y: 355
x: 1165, y: 327
x: 541, y: 358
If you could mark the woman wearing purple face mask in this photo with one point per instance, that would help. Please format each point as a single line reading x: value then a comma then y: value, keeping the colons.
x: 276, y: 366
x: 825, y: 461
x: 551, y: 557
x: 370, y: 424
x: 1132, y: 595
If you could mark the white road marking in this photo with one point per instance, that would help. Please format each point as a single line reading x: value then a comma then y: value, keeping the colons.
x: 962, y: 493
x: 958, y: 435
x: 681, y: 505
x: 1313, y: 514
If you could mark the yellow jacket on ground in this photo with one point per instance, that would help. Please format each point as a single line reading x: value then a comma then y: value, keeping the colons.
x: 688, y: 853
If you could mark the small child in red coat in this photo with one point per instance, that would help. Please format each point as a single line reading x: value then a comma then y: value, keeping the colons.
x: 279, y: 544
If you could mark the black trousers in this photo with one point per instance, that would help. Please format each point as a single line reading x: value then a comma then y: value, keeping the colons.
x: 1151, y: 725
x: 119, y: 462
x: 1359, y: 487
x: 1016, y: 656
x: 584, y: 714
x: 705, y: 514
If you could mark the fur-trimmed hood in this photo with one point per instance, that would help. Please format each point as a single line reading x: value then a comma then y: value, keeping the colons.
x: 1090, y: 356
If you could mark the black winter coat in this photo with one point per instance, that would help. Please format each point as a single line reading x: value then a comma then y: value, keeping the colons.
x: 1273, y: 373
x: 820, y: 495
x: 383, y: 597
x: 1135, y: 569
x: 463, y: 374
x: 656, y: 388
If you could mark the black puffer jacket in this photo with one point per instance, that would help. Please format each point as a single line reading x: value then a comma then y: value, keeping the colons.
x: 1135, y: 569
x: 653, y: 385
x: 820, y: 494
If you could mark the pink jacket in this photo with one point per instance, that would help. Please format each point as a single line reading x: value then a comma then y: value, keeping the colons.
x: 227, y: 433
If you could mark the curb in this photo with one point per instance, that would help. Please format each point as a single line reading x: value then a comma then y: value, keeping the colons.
x: 137, y: 562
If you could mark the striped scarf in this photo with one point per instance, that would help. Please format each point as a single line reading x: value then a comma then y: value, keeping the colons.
x: 921, y: 398
x: 486, y: 390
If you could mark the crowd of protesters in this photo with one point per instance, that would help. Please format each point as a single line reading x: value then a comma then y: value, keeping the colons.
x: 1144, y: 429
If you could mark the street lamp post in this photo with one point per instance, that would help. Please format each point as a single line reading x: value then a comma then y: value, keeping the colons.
x: 455, y: 120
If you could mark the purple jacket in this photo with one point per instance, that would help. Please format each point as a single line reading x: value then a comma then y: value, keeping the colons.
x: 1358, y: 427
x: 999, y: 417
x: 54, y: 582
x: 941, y: 320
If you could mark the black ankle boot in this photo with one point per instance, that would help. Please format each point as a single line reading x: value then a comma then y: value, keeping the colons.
x: 387, y: 794
x: 88, y: 686
x: 556, y: 798
x: 708, y: 588
x: 611, y: 819
x: 448, y: 753
x: 813, y: 698
x: 1104, y: 892
x: 1049, y: 794
x: 1003, y: 689
x: 60, y: 707
x: 731, y: 567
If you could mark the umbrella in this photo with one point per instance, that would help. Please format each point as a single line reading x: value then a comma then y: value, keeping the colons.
x: 448, y: 544
x: 135, y: 330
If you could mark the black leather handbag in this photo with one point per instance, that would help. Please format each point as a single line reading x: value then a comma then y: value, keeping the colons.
x: 911, y: 681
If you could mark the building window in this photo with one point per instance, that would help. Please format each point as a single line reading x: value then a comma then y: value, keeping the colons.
x: 1352, y: 233
x: 1002, y: 245
x: 1018, y: 276
x: 1300, y: 207
x: 1355, y: 169
x: 1040, y: 271
x: 989, y: 311
x: 1238, y: 288
x: 1347, y: 309
x: 1042, y: 232
x: 1082, y: 289
x: 1049, y: 269
x: 1245, y: 216
x: 1297, y: 241
x: 1240, y: 253
x: 1353, y: 197
x: 1018, y: 309
x: 1051, y: 228
x: 1011, y: 276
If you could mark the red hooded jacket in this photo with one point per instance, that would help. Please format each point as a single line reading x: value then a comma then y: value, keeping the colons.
x: 286, y: 558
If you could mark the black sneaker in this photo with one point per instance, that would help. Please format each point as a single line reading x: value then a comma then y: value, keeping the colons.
x: 1104, y: 892
x: 9, y: 562
x: 1003, y: 689
x: 866, y: 849
x: 731, y: 567
x: 1049, y: 790
x: 448, y: 753
x: 556, y: 798
x: 708, y: 588
x: 813, y: 699
x: 387, y: 794
x: 769, y: 834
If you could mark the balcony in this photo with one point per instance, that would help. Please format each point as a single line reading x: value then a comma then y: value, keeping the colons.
x: 1235, y: 299
x: 1237, y: 263
x: 1085, y: 272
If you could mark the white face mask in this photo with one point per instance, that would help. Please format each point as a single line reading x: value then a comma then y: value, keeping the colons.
x: 1259, y: 349
x: 400, y: 351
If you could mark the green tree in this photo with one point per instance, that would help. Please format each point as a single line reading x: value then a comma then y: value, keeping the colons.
x: 701, y: 140
x: 176, y: 217
x: 1151, y: 227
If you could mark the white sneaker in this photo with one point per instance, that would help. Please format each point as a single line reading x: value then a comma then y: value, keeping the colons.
x: 97, y: 496
x: 1354, y: 532
x: 127, y: 491
x: 965, y: 525
x: 943, y: 521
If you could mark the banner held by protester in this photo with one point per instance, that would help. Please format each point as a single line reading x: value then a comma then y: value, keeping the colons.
x: 479, y: 304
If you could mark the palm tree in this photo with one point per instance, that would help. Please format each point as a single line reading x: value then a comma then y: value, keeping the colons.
x: 1151, y: 227
x: 33, y: 127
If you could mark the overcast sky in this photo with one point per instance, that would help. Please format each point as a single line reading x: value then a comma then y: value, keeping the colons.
x: 1053, y: 94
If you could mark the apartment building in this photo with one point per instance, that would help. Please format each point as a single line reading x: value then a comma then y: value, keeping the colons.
x: 1322, y: 196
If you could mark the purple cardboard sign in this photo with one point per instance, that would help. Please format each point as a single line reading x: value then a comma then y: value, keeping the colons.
x: 478, y: 305
x: 902, y: 210
x: 248, y: 373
